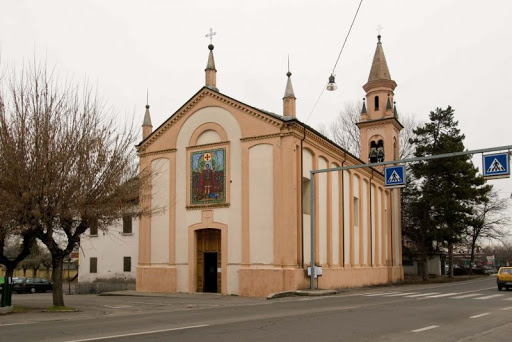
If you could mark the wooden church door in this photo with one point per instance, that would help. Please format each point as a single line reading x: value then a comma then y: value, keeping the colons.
x: 209, y: 258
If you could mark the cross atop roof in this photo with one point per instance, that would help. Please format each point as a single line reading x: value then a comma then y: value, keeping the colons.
x: 210, y: 35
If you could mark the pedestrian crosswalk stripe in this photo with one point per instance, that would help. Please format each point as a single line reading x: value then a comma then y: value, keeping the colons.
x: 379, y: 294
x: 491, y: 296
x: 481, y: 315
x: 468, y: 295
x: 400, y: 294
x: 441, y: 295
x: 495, y: 166
x: 423, y: 294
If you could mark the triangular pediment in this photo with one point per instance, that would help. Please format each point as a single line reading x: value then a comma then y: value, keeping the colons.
x: 195, y: 102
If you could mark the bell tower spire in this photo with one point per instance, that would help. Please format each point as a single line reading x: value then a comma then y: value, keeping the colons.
x: 379, y: 125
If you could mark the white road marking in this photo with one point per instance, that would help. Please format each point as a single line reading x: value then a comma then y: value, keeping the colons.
x: 441, y: 295
x: 381, y: 294
x: 139, y: 333
x: 426, y: 328
x: 400, y: 294
x: 468, y: 295
x: 491, y: 296
x: 118, y: 306
x: 509, y: 308
x: 481, y: 315
x: 4, y: 325
x: 423, y: 294
x: 508, y: 299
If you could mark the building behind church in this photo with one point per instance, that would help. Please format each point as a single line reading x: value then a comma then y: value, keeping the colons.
x: 230, y: 185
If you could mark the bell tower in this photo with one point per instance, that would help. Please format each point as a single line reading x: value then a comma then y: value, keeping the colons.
x: 379, y: 125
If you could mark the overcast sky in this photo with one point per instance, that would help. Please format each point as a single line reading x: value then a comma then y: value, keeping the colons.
x: 439, y: 52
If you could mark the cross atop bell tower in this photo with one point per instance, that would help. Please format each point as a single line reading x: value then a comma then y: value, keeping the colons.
x: 379, y: 126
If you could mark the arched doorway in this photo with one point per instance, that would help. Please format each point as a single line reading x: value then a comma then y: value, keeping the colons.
x: 208, y: 258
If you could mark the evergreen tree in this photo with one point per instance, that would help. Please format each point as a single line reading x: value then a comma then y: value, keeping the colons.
x: 439, y: 202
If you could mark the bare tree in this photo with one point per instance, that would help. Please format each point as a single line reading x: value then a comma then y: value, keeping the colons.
x: 344, y: 131
x: 489, y: 222
x: 66, y: 162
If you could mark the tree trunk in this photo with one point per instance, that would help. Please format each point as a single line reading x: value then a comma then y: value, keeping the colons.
x: 9, y: 271
x: 58, y: 295
x: 424, y: 266
x: 450, y: 259
x: 472, y: 259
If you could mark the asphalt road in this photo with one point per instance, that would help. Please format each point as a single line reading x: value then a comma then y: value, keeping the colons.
x: 462, y: 311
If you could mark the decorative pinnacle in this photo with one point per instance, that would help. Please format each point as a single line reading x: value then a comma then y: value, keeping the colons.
x: 379, y: 30
x: 288, y: 73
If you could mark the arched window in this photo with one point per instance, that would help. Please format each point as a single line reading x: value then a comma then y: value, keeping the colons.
x: 376, y: 154
x: 376, y: 103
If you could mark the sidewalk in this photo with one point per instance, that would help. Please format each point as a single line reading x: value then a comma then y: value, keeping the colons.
x: 205, y: 295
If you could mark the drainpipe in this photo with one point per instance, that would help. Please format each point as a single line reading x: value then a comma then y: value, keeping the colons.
x: 343, y: 209
x: 391, y: 213
x: 302, y: 200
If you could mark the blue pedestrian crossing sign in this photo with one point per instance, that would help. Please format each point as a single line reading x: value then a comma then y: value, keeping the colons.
x: 395, y: 176
x: 496, y: 165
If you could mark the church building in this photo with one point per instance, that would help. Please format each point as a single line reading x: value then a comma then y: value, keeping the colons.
x: 230, y: 189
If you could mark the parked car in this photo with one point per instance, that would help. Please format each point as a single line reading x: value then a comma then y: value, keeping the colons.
x: 31, y: 285
x: 504, y: 278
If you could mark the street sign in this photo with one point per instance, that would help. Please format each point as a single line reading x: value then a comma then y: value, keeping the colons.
x: 395, y: 176
x: 496, y: 165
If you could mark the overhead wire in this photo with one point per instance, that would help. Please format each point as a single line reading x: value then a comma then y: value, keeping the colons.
x: 337, y: 60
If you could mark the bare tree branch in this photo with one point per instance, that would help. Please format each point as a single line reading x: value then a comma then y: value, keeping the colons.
x: 344, y: 131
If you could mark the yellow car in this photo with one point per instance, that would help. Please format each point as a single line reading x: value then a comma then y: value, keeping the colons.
x: 504, y: 278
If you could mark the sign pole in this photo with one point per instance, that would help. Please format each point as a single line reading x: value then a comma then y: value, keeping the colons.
x: 312, y: 229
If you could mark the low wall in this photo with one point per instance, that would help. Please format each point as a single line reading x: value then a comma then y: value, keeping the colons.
x: 100, y: 287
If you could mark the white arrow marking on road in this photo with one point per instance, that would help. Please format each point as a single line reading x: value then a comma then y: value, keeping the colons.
x: 426, y: 328
x: 481, y: 315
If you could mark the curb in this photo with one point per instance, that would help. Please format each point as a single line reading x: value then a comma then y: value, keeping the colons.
x: 6, y: 309
x: 281, y: 294
x: 316, y: 293
x: 312, y: 293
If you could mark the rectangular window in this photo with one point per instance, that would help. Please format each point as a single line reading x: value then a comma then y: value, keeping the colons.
x: 93, y: 265
x: 93, y: 228
x: 127, y: 264
x: 306, y: 196
x: 127, y: 224
x: 356, y: 212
